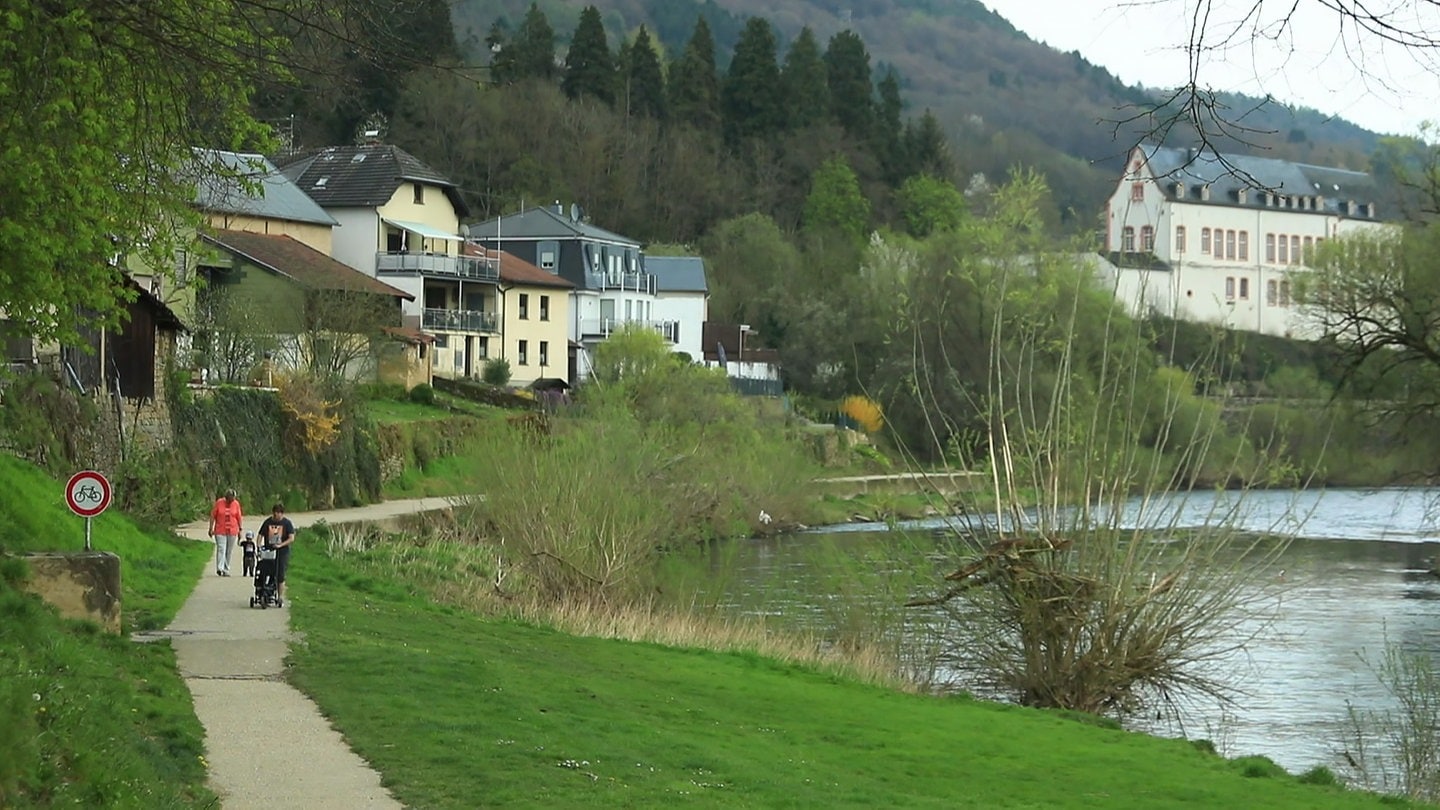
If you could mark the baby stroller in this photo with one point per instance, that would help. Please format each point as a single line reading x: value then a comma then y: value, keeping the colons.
x: 266, y: 579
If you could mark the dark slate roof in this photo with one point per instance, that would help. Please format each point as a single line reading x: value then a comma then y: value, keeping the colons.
x: 301, y: 263
x: 677, y: 273
x: 516, y: 270
x: 239, y: 183
x: 362, y: 176
x: 543, y: 223
x: 1228, y: 174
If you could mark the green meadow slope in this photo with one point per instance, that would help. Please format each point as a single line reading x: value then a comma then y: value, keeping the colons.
x: 459, y: 711
x: 89, y: 719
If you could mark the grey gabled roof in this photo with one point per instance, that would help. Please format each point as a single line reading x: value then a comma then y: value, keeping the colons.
x: 239, y: 183
x: 677, y: 273
x: 544, y: 223
x: 1227, y: 175
x: 362, y: 176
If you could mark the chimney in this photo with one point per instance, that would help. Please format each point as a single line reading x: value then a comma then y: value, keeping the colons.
x: 559, y: 209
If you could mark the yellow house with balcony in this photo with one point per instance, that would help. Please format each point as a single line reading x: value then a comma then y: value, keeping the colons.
x: 399, y: 221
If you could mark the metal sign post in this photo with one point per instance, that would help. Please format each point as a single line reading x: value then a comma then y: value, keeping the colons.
x: 87, y: 493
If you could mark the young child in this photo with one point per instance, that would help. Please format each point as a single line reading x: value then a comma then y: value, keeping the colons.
x: 248, y: 544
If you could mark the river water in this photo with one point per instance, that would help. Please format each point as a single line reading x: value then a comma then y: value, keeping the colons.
x: 1356, y: 576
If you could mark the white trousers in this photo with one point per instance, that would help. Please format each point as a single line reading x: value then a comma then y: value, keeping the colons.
x: 224, y: 545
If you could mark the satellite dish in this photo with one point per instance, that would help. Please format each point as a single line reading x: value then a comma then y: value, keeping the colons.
x: 574, y: 212
x: 465, y: 230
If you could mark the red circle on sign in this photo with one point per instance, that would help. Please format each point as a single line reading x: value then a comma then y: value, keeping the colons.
x: 87, y: 493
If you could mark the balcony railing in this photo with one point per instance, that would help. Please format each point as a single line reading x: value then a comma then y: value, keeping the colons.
x: 459, y: 320
x: 474, y: 268
x: 604, y: 327
x: 620, y: 280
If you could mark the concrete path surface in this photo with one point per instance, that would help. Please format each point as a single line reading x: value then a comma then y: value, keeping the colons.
x: 266, y: 743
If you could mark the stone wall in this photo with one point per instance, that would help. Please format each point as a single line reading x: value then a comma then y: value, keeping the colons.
x: 135, y: 425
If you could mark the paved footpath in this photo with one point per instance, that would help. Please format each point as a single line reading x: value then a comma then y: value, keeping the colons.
x: 267, y: 744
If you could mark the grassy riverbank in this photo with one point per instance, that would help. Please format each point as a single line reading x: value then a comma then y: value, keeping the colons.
x: 455, y: 708
x: 88, y: 719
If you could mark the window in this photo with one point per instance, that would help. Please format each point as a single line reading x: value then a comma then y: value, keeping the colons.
x: 522, y: 356
x: 1270, y: 248
x: 1244, y: 254
x: 482, y: 348
x: 1244, y: 289
x: 1229, y: 288
x: 1147, y: 239
x: 1179, y: 238
x: 1306, y: 245
x: 1294, y: 250
x: 524, y: 307
x: 547, y: 253
x: 544, y: 353
x: 1285, y: 293
x: 1230, y: 244
x: 1204, y: 240
x: 1127, y: 240
x: 1137, y: 192
x: 544, y: 313
x: 1270, y: 287
x: 1284, y: 256
x: 419, y: 194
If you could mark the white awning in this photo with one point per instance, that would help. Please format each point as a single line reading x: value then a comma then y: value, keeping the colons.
x: 427, y: 231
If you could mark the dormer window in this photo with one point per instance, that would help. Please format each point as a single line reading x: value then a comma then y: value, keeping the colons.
x: 1180, y: 191
x: 1240, y: 195
x: 1205, y: 192
x: 419, y: 194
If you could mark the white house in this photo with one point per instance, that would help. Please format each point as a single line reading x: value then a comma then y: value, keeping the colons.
x: 682, y: 298
x: 1217, y: 238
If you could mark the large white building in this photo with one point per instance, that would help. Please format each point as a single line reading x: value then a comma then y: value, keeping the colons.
x: 1219, y: 238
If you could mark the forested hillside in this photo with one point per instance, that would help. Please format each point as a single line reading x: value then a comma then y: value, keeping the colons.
x: 1001, y: 98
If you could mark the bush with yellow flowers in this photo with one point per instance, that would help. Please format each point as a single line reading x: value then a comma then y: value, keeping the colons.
x: 866, y: 413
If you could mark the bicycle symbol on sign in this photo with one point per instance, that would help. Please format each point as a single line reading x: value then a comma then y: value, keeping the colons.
x: 87, y: 493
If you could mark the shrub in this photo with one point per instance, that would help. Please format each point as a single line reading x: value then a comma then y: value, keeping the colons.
x: 864, y: 412
x: 423, y: 394
x: 496, y: 371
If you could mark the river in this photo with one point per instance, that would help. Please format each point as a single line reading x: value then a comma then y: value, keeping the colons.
x: 1356, y: 575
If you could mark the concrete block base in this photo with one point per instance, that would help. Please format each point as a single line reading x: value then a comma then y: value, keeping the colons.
x: 81, y: 585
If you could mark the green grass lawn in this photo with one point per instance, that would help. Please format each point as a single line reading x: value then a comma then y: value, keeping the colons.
x: 461, y: 711
x: 390, y: 409
x: 89, y: 719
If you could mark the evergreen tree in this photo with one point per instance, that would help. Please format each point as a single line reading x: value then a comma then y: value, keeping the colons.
x: 502, y: 55
x: 750, y: 96
x: 926, y: 151
x: 888, y: 137
x: 589, y: 69
x: 805, y: 82
x: 644, y: 83
x: 694, y: 88
x: 847, y: 68
x: 534, y: 46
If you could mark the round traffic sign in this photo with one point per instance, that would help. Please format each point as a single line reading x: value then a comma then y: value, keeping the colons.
x: 87, y: 493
